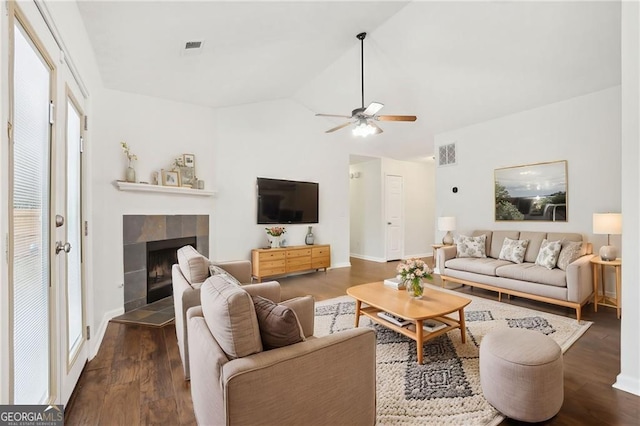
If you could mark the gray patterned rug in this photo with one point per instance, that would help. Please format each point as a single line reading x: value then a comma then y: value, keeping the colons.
x: 445, y: 390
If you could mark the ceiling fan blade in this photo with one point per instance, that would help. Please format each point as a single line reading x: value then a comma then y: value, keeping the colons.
x: 338, y: 127
x: 378, y: 129
x: 396, y: 117
x: 333, y: 115
x: 373, y: 108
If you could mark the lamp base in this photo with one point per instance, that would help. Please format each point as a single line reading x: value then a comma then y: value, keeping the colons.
x: 447, y: 240
x: 608, y: 253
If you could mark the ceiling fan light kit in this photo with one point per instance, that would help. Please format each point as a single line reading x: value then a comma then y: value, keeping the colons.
x: 364, y: 118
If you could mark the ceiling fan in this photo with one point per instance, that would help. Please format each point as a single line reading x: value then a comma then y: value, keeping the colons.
x: 364, y: 118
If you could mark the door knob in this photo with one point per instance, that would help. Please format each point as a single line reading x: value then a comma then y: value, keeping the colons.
x: 388, y: 223
x: 66, y: 247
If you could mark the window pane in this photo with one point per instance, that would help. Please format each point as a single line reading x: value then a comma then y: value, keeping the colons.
x: 74, y: 229
x: 31, y: 223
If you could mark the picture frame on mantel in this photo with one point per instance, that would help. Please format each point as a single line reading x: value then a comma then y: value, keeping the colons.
x: 189, y: 160
x: 532, y: 192
x: 170, y: 178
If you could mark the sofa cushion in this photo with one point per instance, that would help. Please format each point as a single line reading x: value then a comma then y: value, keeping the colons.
x: 513, y: 250
x: 533, y: 248
x: 279, y: 325
x: 216, y: 270
x: 548, y: 254
x: 498, y: 238
x: 471, y: 246
x: 484, y: 266
x: 564, y: 236
x: 193, y: 265
x: 231, y: 317
x: 533, y: 273
x: 571, y: 250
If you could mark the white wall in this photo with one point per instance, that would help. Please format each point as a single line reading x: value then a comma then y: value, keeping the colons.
x: 629, y: 377
x: 368, y: 206
x: 157, y: 131
x: 283, y: 140
x: 367, y: 211
x: 585, y: 131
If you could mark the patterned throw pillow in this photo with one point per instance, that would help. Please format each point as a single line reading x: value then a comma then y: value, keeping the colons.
x: 548, y: 254
x: 471, y: 246
x: 513, y: 250
x: 571, y: 251
x: 216, y: 270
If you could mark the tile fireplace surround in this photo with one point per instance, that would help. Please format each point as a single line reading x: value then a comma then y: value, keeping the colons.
x: 137, y: 230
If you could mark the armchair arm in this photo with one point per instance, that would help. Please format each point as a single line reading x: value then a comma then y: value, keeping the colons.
x: 310, y: 383
x: 580, y: 279
x: 305, y: 308
x: 240, y: 269
x: 185, y: 296
x: 269, y: 290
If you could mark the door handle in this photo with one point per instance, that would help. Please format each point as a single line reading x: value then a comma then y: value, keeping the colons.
x: 66, y: 247
x: 388, y: 223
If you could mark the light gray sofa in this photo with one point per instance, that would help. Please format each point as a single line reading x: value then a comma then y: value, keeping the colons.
x: 572, y: 287
x: 327, y: 380
x: 187, y: 276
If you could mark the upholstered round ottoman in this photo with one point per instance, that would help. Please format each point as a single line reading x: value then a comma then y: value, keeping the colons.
x: 521, y: 374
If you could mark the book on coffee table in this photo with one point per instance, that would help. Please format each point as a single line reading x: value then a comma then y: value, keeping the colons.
x: 432, y: 325
x: 399, y: 321
x: 395, y: 283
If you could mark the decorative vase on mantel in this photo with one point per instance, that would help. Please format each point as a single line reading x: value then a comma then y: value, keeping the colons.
x: 131, y: 173
x: 415, y: 288
x: 309, y: 239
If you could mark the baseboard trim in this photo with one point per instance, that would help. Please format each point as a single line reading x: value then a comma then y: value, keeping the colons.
x: 418, y: 256
x: 370, y: 258
x: 98, y: 335
x: 341, y: 265
x: 627, y: 384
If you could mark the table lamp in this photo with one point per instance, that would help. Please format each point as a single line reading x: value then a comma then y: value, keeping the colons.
x: 607, y: 223
x: 447, y: 223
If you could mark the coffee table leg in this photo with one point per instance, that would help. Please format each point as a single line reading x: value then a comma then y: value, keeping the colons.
x: 358, y: 304
x: 419, y: 340
x: 463, y: 327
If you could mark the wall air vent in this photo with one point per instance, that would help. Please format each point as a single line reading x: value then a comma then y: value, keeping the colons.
x: 192, y: 47
x: 447, y: 154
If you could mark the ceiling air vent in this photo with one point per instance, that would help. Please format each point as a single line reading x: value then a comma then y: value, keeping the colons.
x: 192, y: 47
x: 447, y: 154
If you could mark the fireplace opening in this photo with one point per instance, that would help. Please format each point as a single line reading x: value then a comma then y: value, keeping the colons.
x: 161, y: 256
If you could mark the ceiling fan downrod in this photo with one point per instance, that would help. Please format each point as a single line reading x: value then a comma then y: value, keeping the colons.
x: 361, y: 37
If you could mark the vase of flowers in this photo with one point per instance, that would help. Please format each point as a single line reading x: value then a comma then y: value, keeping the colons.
x: 411, y: 272
x: 275, y: 234
x: 131, y: 172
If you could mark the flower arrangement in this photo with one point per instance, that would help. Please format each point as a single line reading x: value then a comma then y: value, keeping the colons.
x: 127, y: 151
x: 411, y: 272
x: 275, y: 231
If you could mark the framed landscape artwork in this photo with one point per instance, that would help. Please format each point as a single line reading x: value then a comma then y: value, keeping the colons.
x: 532, y: 192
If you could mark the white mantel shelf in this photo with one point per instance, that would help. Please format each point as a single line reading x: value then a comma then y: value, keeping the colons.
x: 143, y: 187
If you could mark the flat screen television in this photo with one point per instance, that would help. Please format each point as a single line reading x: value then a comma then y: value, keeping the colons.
x: 287, y: 201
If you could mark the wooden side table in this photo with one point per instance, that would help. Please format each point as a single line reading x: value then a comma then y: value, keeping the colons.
x: 435, y: 248
x: 598, y: 267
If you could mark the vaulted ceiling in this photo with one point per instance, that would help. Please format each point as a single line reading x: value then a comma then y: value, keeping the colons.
x: 450, y: 63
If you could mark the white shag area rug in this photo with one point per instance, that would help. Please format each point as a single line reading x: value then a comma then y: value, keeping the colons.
x: 445, y: 390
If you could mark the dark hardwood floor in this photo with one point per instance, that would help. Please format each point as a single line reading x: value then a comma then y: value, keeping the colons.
x: 136, y: 378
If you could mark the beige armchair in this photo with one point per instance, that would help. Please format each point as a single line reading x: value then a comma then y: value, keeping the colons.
x: 187, y: 276
x: 319, y: 381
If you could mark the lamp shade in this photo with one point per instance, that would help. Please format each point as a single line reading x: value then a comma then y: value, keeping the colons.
x: 446, y: 223
x: 607, y: 223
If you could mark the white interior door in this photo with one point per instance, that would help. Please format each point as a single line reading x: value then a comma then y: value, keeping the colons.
x: 73, y: 353
x: 393, y: 187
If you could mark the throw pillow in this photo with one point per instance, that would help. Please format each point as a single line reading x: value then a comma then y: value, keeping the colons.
x: 216, y: 270
x: 279, y: 325
x: 548, y: 254
x: 571, y: 250
x: 513, y: 250
x: 471, y: 246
